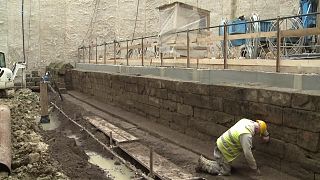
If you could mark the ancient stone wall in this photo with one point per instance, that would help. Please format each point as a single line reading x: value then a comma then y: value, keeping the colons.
x: 206, y: 111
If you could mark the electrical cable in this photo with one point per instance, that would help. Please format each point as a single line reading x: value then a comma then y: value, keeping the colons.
x: 135, y: 23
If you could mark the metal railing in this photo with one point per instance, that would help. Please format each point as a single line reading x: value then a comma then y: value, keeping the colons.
x: 123, y: 51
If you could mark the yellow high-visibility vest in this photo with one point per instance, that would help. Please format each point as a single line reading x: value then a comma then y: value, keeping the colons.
x: 229, y: 142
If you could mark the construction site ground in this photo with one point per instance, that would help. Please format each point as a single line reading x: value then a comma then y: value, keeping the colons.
x: 66, y: 145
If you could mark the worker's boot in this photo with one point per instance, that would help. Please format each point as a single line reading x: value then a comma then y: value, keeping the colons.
x: 206, y: 165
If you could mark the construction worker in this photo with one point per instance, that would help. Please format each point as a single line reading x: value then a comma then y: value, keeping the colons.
x: 230, y: 144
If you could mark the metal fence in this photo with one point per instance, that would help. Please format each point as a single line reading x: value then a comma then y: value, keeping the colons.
x: 275, y: 39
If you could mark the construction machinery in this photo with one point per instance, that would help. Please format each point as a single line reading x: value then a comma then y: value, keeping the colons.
x: 7, y: 75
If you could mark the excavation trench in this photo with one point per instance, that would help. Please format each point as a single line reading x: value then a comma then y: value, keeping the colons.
x: 79, y: 154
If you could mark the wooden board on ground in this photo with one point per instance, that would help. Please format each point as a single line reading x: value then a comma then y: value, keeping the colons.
x: 118, y: 134
x: 162, y: 167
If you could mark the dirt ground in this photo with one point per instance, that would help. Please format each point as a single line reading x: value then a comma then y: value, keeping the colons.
x: 31, y: 158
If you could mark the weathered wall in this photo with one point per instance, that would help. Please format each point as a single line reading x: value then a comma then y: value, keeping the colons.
x: 55, y: 28
x: 206, y: 111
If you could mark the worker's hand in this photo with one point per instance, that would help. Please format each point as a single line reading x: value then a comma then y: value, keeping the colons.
x: 265, y: 139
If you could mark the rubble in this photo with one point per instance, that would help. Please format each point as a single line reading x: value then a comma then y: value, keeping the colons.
x: 30, y: 156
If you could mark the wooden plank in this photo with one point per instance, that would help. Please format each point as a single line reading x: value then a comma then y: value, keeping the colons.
x: 161, y: 166
x: 300, y: 32
x: 118, y: 134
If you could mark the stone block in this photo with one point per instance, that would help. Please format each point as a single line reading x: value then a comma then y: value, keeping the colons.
x: 142, y: 80
x: 207, y: 127
x: 308, y: 140
x: 153, y: 101
x: 216, y: 104
x: 197, y: 100
x: 234, y: 107
x: 141, y: 89
x: 264, y: 159
x: 293, y: 153
x: 132, y: 79
x: 175, y: 96
x: 131, y: 87
x: 151, y: 91
x: 223, y: 119
x: 185, y: 109
x: 162, y: 93
x: 154, y: 83
x: 224, y: 91
x: 268, y: 113
x: 303, y: 101
x: 194, y: 88
x: 274, y: 97
x: 165, y: 117
x: 196, y: 134
x: 283, y: 133
x: 179, y: 122
x: 204, y: 114
x: 275, y: 147
x: 151, y: 110
x: 296, y: 170
x: 169, y: 84
x: 169, y: 105
x: 301, y: 119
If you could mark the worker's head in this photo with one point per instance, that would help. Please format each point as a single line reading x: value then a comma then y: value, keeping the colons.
x: 262, y: 127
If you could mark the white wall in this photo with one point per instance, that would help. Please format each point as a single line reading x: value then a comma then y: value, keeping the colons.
x: 55, y: 28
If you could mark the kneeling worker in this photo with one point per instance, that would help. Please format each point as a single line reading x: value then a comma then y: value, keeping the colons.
x: 230, y: 144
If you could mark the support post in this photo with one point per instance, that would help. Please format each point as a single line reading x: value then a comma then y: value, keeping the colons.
x: 78, y: 55
x: 83, y: 49
x: 44, y: 102
x: 110, y: 140
x: 225, y: 45
x: 318, y: 26
x: 105, y: 53
x: 114, y: 52
x: 89, y: 53
x: 96, y: 51
x: 127, y: 53
x: 151, y: 162
x: 188, y: 50
x: 278, y: 45
x: 161, y: 59
x: 142, y: 57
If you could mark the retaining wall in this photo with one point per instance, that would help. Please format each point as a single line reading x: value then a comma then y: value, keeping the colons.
x: 205, y: 111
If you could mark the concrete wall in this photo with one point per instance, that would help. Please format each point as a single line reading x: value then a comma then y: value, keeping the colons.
x: 55, y: 28
x: 205, y: 111
x: 281, y: 80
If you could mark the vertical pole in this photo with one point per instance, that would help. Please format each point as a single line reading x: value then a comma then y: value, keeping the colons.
x: 278, y: 45
x: 89, y: 53
x: 105, y: 53
x: 114, y: 52
x: 161, y: 59
x: 96, y: 51
x: 44, y: 103
x: 127, y: 53
x: 151, y: 162
x: 225, y: 45
x: 318, y: 26
x: 142, y: 58
x: 83, y: 49
x: 110, y: 140
x: 78, y: 55
x: 198, y: 63
x: 188, y: 50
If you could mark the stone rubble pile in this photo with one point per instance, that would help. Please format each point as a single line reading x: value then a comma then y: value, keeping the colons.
x: 30, y: 156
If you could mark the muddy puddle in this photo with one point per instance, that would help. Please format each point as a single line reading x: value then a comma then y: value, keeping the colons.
x: 113, y: 168
x: 54, y: 123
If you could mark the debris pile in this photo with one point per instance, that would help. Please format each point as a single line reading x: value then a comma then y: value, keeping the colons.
x: 30, y: 156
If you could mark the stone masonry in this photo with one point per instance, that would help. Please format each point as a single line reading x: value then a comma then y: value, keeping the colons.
x: 206, y: 111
